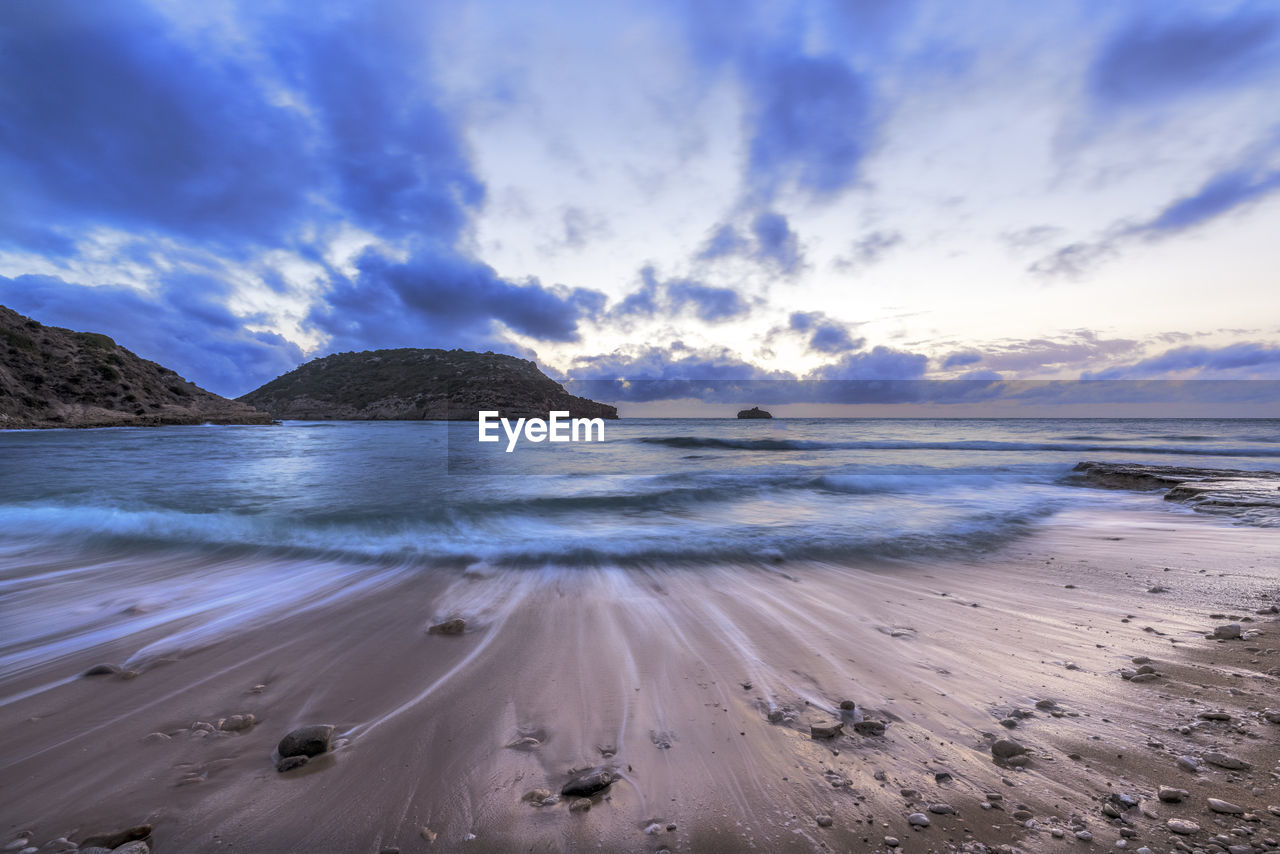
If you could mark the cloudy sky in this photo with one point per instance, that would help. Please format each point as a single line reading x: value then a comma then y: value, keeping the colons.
x: 866, y: 189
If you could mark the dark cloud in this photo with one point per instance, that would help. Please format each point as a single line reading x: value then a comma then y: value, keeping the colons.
x: 826, y: 335
x: 1040, y: 355
x: 880, y: 363
x: 869, y: 250
x: 960, y: 358
x: 772, y: 243
x: 710, y: 304
x: 437, y: 298
x: 183, y: 325
x: 1154, y: 60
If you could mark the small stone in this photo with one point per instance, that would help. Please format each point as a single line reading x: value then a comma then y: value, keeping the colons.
x: 823, y: 820
x: 587, y: 785
x: 202, y: 726
x: 1144, y: 677
x: 157, y: 738
x: 1214, y: 715
x: 1022, y: 815
x: 847, y: 705
x: 102, y: 670
x: 869, y: 727
x: 579, y: 805
x: 1084, y: 835
x: 456, y: 626
x: 1271, y: 716
x: 1170, y: 795
x: 1231, y: 631
x: 428, y: 834
x: 1224, y: 760
x: 118, y: 838
x: 1008, y: 723
x: 942, y: 809
x: 918, y: 819
x: 653, y: 829
x: 1224, y: 807
x: 825, y: 729
x: 306, y: 741
x: 1188, y: 763
x: 238, y: 723
x: 136, y: 847
x: 1007, y: 748
x: 1182, y: 826
x: 535, y: 796
x: 288, y: 763
x: 1057, y: 833
x: 892, y: 841
x: 1145, y: 669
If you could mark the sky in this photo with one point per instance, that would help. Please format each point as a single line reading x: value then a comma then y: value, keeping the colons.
x: 649, y: 191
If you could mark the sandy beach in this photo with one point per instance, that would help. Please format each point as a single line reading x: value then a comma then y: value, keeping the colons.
x: 695, y: 690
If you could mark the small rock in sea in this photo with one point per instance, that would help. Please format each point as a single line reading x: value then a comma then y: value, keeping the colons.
x: 869, y: 727
x: 579, y: 805
x: 1224, y: 807
x: 456, y: 626
x: 238, y: 723
x: 102, y: 670
x: 1007, y: 748
x: 202, y: 726
x: 1182, y: 826
x: 1231, y: 631
x: 847, y: 705
x: 288, y: 763
x: 918, y: 819
x: 823, y: 820
x: 586, y: 785
x: 114, y: 840
x: 535, y: 796
x: 1225, y: 760
x: 825, y: 729
x: 942, y: 809
x: 306, y: 741
x: 1170, y: 795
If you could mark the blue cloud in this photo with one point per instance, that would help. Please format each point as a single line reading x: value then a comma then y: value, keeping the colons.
x: 711, y: 304
x: 869, y: 249
x: 183, y: 325
x: 1223, y: 193
x: 1240, y: 360
x: 960, y: 358
x: 1155, y: 60
x: 772, y: 243
x: 825, y: 334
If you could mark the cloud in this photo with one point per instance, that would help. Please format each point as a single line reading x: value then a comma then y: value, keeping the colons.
x: 671, y: 297
x: 961, y: 358
x: 1152, y: 61
x: 1233, y: 361
x: 869, y: 250
x: 881, y: 363
x: 1030, y: 237
x: 183, y: 325
x: 772, y: 244
x: 826, y: 335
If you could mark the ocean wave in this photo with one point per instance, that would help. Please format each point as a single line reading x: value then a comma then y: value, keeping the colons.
x: 712, y: 442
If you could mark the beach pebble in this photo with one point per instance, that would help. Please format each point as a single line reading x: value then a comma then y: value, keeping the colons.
x: 869, y: 727
x: 825, y: 728
x: 579, y: 805
x: 1214, y: 715
x: 1224, y: 807
x: 1271, y: 716
x: 288, y: 763
x: 535, y: 796
x: 587, y: 784
x: 456, y: 626
x: 653, y: 829
x: 115, y: 839
x: 1170, y: 795
x: 1226, y: 760
x: 942, y: 809
x: 847, y: 705
x: 1188, y: 763
x: 1022, y: 815
x: 1007, y: 748
x: 157, y: 738
x: 101, y: 670
x: 1084, y: 835
x: 918, y: 819
x: 306, y: 741
x: 1140, y: 678
x: 428, y: 834
x: 823, y: 820
x: 137, y: 847
x: 892, y: 841
x: 1230, y: 631
x: 237, y: 723
x: 1182, y: 826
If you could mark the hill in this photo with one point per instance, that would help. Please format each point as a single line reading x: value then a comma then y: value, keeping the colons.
x: 412, y: 384
x: 53, y: 377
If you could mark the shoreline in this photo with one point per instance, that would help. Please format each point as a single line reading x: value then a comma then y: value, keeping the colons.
x: 643, y: 672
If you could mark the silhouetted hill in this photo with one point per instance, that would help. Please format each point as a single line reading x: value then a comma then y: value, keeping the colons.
x: 53, y: 377
x: 413, y: 384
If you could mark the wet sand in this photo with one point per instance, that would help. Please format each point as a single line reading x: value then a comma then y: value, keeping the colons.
x: 696, y: 687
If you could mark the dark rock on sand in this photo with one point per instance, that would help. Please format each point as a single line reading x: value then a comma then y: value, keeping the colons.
x: 102, y: 670
x: 1170, y: 795
x: 288, y: 763
x: 825, y: 729
x: 455, y: 626
x: 869, y: 727
x: 1007, y: 748
x: 1225, y: 760
x: 1224, y: 807
x: 1231, y: 631
x: 117, y: 838
x: 586, y: 785
x: 306, y: 741
x: 754, y: 412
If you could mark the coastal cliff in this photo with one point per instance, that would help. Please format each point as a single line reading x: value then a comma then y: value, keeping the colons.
x: 412, y: 384
x: 54, y: 377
